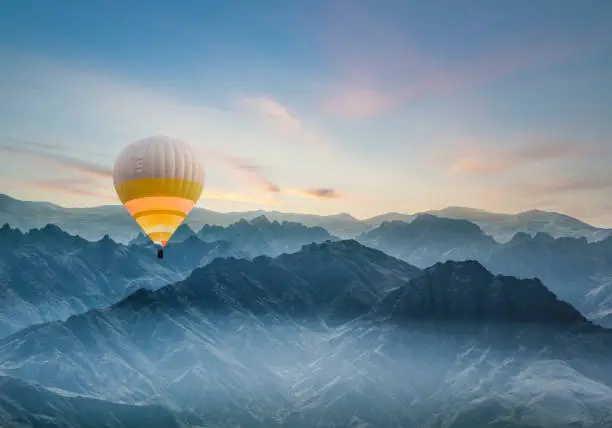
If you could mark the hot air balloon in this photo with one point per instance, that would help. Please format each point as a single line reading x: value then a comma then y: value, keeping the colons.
x: 158, y: 180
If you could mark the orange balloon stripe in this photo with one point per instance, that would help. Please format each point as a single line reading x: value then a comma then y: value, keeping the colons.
x: 154, y: 203
x: 156, y: 220
x: 159, y: 212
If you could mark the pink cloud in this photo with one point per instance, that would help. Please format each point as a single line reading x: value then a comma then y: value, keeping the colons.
x: 73, y: 188
x: 271, y: 108
x: 537, y: 150
x: 236, y: 197
x: 379, y: 68
x: 316, y: 193
x: 251, y: 170
x: 287, y: 123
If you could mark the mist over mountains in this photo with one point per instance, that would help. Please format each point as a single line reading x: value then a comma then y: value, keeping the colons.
x: 266, y: 323
x: 23, y: 404
x: 94, y: 223
x: 335, y: 335
x: 48, y: 274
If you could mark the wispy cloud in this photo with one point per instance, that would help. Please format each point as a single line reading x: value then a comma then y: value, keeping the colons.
x: 72, y: 187
x: 280, y: 117
x: 379, y: 67
x: 115, y: 108
x: 353, y: 98
x: 317, y: 193
x: 537, y: 150
x: 273, y: 109
x: 355, y: 102
x: 254, y: 172
x: 565, y: 186
x: 42, y: 152
x: 237, y: 197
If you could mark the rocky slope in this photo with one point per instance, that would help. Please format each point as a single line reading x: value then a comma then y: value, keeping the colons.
x: 335, y: 335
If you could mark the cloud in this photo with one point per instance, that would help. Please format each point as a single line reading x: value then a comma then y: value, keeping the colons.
x: 112, y: 111
x: 11, y: 141
x: 476, y: 165
x: 287, y: 123
x: 378, y: 66
x: 567, y: 185
x: 41, y: 152
x: 539, y: 150
x: 272, y: 108
x: 72, y: 187
x: 255, y: 173
x: 358, y: 102
x: 317, y: 193
x: 352, y: 99
x: 237, y: 197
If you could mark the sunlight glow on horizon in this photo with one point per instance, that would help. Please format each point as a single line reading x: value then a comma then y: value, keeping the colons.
x: 335, y: 111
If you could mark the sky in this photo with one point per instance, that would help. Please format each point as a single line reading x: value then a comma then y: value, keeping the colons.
x: 319, y: 106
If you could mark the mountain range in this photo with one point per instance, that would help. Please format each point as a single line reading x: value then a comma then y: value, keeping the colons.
x: 94, y: 223
x: 335, y: 335
x: 577, y: 270
x: 420, y: 321
x: 48, y: 274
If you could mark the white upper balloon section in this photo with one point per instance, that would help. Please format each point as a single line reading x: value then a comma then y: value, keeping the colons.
x: 158, y: 157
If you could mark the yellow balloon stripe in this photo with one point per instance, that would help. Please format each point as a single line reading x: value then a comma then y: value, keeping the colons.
x: 162, y: 237
x: 152, y: 187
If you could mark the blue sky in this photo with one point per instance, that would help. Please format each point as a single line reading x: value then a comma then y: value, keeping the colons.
x: 346, y: 106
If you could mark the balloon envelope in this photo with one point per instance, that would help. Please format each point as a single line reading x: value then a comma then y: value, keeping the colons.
x: 159, y: 180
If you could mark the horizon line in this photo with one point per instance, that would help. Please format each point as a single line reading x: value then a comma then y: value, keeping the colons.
x: 363, y: 219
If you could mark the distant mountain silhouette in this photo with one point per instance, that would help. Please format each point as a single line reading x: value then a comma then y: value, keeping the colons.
x: 429, y: 239
x: 256, y: 237
x: 261, y: 236
x: 503, y: 227
x: 94, y: 223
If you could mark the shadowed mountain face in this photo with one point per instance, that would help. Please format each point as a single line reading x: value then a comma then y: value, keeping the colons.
x: 336, y: 335
x: 576, y: 270
x: 47, y: 274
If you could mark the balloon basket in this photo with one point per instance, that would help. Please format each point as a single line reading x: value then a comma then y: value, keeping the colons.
x: 160, y: 253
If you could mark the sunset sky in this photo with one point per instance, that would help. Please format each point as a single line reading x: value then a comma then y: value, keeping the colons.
x: 317, y: 106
